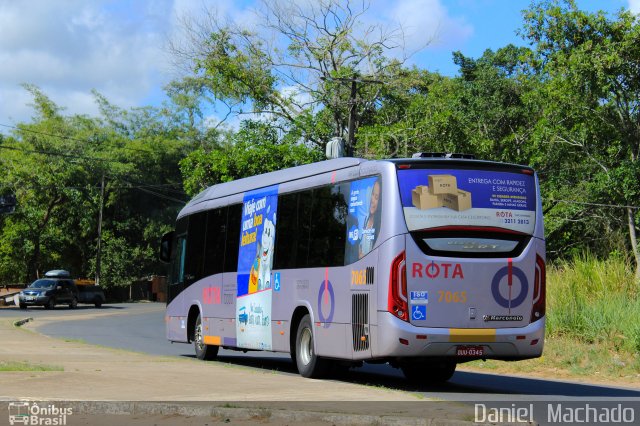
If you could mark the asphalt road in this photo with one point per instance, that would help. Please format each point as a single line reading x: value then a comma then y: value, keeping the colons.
x: 140, y: 327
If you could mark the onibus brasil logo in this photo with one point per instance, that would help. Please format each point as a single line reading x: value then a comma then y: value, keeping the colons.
x: 33, y: 413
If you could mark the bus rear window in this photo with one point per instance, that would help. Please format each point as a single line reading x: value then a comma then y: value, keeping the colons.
x: 468, y: 198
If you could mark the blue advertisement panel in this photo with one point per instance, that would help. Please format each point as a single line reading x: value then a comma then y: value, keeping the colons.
x: 255, y: 260
x: 435, y: 198
x: 363, y: 222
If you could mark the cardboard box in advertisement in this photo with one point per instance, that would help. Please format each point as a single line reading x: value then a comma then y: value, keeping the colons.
x: 442, y: 184
x: 459, y: 201
x: 423, y: 199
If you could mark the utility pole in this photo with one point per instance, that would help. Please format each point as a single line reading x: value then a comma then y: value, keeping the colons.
x: 352, y: 107
x: 352, y: 119
x: 98, y: 253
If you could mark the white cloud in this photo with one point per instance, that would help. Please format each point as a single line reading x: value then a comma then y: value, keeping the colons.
x: 634, y: 6
x: 427, y: 23
x: 118, y: 48
x: 69, y: 48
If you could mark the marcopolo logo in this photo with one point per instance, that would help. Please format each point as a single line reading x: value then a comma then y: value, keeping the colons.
x: 33, y: 413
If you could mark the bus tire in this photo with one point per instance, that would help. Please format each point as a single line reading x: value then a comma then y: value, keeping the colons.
x: 203, y: 351
x: 437, y: 371
x: 309, y: 364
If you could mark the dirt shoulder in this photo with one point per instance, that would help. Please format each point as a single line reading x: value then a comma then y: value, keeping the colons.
x: 92, y: 373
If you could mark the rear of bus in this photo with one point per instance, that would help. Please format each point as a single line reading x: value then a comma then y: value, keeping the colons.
x: 470, y: 283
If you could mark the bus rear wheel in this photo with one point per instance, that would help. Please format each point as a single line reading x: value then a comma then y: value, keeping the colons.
x: 203, y: 351
x: 428, y: 371
x: 309, y: 364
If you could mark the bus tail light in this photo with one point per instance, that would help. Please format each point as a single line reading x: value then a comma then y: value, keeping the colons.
x: 539, y: 290
x: 397, y: 302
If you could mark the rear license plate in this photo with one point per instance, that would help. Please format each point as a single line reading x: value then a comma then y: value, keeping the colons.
x: 469, y: 351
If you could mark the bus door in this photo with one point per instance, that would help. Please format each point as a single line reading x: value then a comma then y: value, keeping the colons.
x: 472, y: 261
x: 176, y: 326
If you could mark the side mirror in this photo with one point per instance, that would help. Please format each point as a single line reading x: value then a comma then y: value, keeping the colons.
x: 165, y: 247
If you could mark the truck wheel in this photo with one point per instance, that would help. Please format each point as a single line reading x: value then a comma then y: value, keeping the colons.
x: 73, y: 304
x: 50, y: 304
x: 438, y: 371
x: 203, y: 351
x: 309, y: 364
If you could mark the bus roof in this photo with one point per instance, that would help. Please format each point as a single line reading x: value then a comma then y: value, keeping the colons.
x: 299, y: 172
x: 272, y: 178
x: 458, y: 161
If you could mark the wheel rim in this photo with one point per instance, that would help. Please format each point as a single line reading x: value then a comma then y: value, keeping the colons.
x: 306, y: 346
x: 198, y: 337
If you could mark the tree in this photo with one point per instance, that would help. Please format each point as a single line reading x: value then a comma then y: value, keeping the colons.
x: 55, y: 164
x: 293, y: 66
x: 590, y: 63
x: 486, y: 111
x: 256, y: 148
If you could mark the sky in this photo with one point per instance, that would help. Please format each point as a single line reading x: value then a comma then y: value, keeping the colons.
x: 120, y: 47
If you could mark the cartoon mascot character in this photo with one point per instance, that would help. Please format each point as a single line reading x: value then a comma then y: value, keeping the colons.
x: 266, y: 253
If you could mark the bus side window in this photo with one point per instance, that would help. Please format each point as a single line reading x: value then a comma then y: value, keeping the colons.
x: 234, y: 217
x: 328, y: 226
x: 214, y: 245
x: 195, y: 248
x: 292, y: 230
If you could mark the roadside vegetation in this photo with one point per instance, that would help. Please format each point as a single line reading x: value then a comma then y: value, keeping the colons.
x: 27, y: 366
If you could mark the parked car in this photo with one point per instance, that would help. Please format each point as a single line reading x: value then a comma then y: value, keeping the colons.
x: 55, y: 288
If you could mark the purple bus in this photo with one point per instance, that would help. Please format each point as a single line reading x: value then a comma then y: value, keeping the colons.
x: 423, y: 263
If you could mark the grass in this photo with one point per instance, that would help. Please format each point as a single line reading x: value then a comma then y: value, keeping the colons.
x: 593, y: 324
x: 566, y: 358
x: 594, y: 302
x: 27, y: 366
x: 70, y: 340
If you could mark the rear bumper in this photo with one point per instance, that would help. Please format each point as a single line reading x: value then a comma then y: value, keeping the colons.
x: 501, y: 343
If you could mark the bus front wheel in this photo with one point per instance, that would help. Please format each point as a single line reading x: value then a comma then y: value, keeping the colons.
x: 203, y: 351
x: 308, y: 363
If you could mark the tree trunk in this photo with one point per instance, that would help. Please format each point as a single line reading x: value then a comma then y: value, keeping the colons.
x: 631, y: 217
x: 34, y: 263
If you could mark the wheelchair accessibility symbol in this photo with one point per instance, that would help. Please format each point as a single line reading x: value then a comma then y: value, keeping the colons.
x: 276, y: 284
x: 418, y: 312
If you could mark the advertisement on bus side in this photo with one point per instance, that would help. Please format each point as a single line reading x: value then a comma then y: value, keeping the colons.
x: 445, y: 197
x: 363, y: 221
x: 255, y: 261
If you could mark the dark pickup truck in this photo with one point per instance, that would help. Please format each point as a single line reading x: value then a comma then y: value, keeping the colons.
x: 90, y: 294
